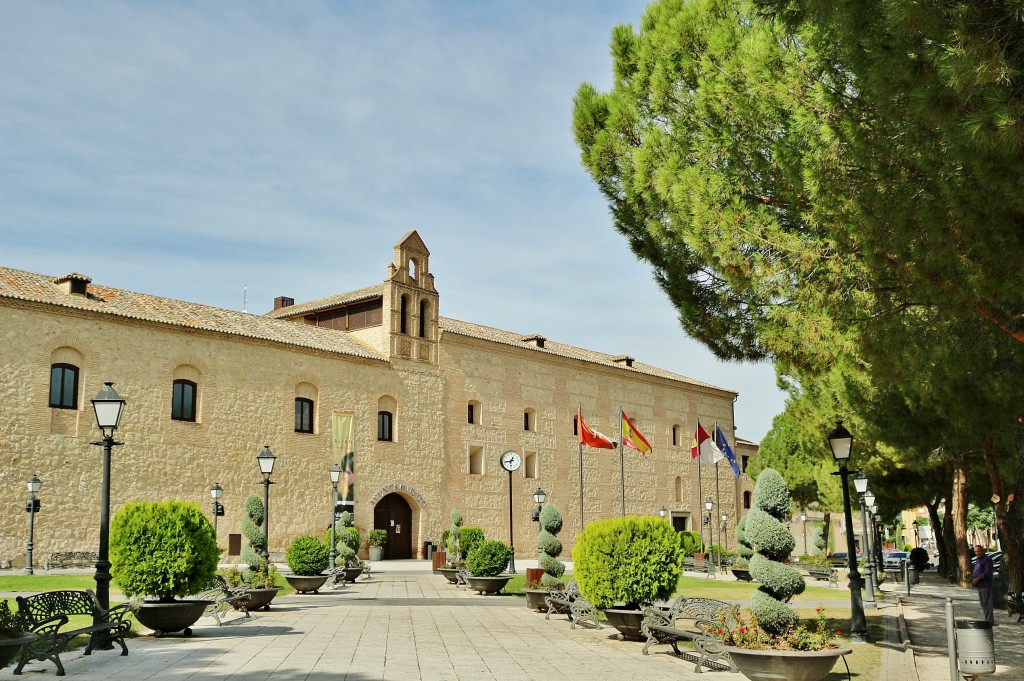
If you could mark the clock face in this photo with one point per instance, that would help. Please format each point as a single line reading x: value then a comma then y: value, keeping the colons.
x: 511, y: 461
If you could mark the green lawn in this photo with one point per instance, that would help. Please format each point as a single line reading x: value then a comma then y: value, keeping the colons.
x: 37, y: 583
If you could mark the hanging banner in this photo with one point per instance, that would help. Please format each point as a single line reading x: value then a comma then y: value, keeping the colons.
x: 343, y: 454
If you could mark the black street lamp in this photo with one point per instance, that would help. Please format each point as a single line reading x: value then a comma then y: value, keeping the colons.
x: 860, y: 483
x: 538, y: 498
x: 216, y: 492
x: 710, y: 505
x: 266, y: 461
x: 725, y: 532
x: 335, y: 473
x: 841, y: 443
x: 803, y: 524
x: 34, y: 485
x: 108, y: 406
x: 878, y: 535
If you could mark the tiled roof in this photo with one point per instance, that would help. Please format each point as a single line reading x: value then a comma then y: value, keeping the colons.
x: 526, y: 342
x: 325, y: 303
x: 41, y: 288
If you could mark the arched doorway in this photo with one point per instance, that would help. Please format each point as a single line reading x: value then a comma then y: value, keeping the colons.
x: 393, y: 513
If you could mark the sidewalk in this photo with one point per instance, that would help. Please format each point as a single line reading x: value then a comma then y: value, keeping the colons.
x: 924, y: 616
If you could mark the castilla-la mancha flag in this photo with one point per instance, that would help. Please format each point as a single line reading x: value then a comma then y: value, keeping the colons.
x: 588, y: 437
x: 703, y: 447
x: 631, y: 437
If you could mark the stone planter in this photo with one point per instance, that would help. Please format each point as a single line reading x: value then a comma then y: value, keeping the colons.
x: 742, y: 574
x: 260, y: 598
x: 376, y: 552
x: 352, y: 574
x: 793, y: 665
x: 535, y: 599
x: 488, y: 585
x: 306, y: 583
x: 451, y: 574
x: 626, y: 622
x: 167, y: 618
x: 11, y: 647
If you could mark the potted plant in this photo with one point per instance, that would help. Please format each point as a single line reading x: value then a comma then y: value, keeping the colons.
x: 485, y: 563
x: 307, y: 558
x: 550, y: 548
x: 164, y: 550
x: 13, y: 634
x: 623, y: 564
x: 453, y: 544
x: 260, y: 579
x: 377, y: 540
x: 775, y: 645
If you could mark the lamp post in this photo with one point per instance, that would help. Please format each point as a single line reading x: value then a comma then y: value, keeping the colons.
x: 34, y: 485
x: 725, y: 531
x: 878, y: 535
x: 709, y: 505
x: 538, y: 498
x: 108, y: 406
x: 266, y: 461
x: 335, y: 473
x: 860, y: 483
x: 841, y: 443
x: 803, y: 524
x: 216, y: 492
x: 663, y: 512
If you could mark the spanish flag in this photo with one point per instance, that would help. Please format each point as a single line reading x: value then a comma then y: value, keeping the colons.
x: 632, y: 438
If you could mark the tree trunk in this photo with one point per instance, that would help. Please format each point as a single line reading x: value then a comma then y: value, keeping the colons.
x: 947, y: 536
x: 960, y: 520
x: 1013, y: 512
x: 940, y: 541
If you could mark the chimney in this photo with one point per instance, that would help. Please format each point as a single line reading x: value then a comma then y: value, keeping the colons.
x: 625, y: 360
x: 283, y: 301
x: 73, y: 284
x: 537, y: 340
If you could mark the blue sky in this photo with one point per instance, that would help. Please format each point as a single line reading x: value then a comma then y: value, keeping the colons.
x: 184, y: 148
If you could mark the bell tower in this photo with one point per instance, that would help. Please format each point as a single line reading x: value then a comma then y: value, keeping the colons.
x: 410, y: 302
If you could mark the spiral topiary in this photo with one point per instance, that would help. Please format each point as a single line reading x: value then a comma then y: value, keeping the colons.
x: 743, y: 547
x: 550, y: 547
x: 765, y: 529
x: 818, y: 543
x: 454, y: 544
x: 252, y: 553
x: 627, y: 560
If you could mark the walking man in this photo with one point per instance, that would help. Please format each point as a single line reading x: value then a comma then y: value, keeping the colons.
x: 981, y: 579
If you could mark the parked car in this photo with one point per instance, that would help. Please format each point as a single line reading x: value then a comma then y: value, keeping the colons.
x: 839, y: 559
x: 997, y: 559
x: 894, y: 560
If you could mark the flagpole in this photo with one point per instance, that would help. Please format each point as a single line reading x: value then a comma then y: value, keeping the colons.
x: 622, y: 465
x: 700, y: 501
x: 579, y: 430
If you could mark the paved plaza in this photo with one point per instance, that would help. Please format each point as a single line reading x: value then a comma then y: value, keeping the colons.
x: 406, y: 623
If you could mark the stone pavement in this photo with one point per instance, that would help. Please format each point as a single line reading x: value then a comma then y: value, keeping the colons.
x: 923, y: 620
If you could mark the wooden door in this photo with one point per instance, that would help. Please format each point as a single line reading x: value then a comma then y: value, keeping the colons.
x: 393, y: 513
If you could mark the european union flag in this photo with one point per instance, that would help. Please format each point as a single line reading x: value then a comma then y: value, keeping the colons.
x: 723, y: 445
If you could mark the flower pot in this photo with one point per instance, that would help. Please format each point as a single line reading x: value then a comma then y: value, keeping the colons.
x: 10, y: 647
x: 793, y: 665
x: 167, y: 618
x: 352, y: 574
x: 488, y: 585
x: 533, y: 575
x: 626, y: 621
x: 438, y: 559
x: 376, y: 552
x: 260, y: 598
x: 742, y: 574
x: 535, y: 599
x: 306, y: 583
x: 451, y: 574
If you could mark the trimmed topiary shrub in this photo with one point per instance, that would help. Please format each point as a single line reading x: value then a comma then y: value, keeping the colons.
x: 919, y: 557
x: 550, y: 547
x: 162, y: 548
x: 818, y: 547
x: 766, y: 530
x: 454, y: 543
x: 691, y: 542
x: 469, y: 537
x: 743, y: 547
x: 252, y: 523
x: 378, y: 538
x: 627, y: 560
x: 345, y: 519
x: 489, y: 558
x: 307, y: 555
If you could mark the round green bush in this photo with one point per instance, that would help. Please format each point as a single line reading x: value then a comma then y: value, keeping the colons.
x: 691, y: 542
x: 307, y: 555
x: 765, y: 530
x: 550, y: 547
x: 919, y: 557
x: 378, y: 538
x: 162, y: 548
x: 489, y: 558
x: 627, y: 560
x: 470, y: 536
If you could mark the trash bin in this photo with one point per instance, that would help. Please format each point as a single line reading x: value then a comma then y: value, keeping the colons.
x: 912, y: 575
x: 428, y: 550
x: 975, y: 647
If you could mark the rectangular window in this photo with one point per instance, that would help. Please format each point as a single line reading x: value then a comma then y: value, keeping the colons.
x: 64, y: 386
x: 530, y: 464
x: 384, y: 424
x: 183, y: 401
x: 303, y: 415
x: 575, y: 426
x: 526, y: 420
x: 471, y: 420
x: 675, y: 436
x: 476, y: 460
x: 744, y: 459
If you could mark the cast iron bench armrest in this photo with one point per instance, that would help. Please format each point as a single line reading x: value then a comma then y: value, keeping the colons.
x: 224, y: 598
x: 559, y: 601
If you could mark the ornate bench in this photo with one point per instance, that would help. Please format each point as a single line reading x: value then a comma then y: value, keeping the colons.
x: 704, y: 565
x: 224, y: 598
x: 461, y: 577
x: 67, y: 559
x: 824, y: 572
x: 659, y: 625
x: 47, y: 615
x: 559, y: 601
x: 1015, y: 605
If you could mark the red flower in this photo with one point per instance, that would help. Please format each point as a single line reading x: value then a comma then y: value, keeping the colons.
x: 742, y: 630
x: 838, y: 633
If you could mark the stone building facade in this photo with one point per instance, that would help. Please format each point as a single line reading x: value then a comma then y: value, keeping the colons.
x: 434, y: 401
